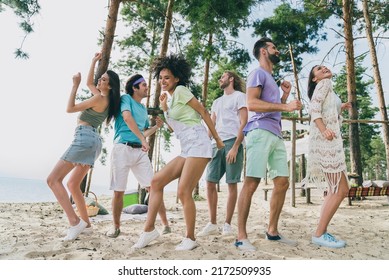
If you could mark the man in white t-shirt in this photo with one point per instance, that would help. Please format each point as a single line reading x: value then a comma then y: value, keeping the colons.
x: 229, y: 114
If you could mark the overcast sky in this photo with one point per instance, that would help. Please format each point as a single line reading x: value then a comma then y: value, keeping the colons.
x: 35, y: 128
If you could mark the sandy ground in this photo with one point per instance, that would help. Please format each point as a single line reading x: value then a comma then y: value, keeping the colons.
x: 33, y: 231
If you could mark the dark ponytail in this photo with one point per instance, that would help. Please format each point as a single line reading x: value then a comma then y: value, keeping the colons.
x: 311, y: 83
x: 114, y: 95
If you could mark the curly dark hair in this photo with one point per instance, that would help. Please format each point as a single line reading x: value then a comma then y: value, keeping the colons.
x: 177, y: 64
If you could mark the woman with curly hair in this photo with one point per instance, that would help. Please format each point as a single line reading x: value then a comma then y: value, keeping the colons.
x: 86, y: 146
x: 184, y: 114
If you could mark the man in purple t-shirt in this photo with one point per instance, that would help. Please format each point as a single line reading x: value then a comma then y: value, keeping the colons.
x: 265, y: 148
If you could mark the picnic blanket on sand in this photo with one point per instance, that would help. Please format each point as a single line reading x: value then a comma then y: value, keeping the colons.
x: 368, y: 191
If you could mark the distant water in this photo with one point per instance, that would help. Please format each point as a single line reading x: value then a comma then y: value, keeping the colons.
x: 33, y: 190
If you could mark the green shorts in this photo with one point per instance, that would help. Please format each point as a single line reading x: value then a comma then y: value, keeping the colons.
x: 218, y: 165
x: 264, y: 150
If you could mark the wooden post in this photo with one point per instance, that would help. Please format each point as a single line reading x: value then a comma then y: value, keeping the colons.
x: 308, y: 195
x: 293, y: 164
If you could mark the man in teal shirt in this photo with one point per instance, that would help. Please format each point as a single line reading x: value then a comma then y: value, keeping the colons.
x: 130, y: 147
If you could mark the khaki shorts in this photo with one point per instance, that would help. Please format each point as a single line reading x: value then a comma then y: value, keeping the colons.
x: 264, y: 150
x: 218, y: 166
x: 125, y: 158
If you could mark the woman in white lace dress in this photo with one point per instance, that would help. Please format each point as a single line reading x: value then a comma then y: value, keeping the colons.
x: 326, y: 166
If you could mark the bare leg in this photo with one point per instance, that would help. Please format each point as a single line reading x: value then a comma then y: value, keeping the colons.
x: 117, y: 207
x: 167, y: 174
x: 281, y: 185
x: 191, y: 174
x: 54, y: 181
x: 74, y: 185
x: 162, y: 214
x: 244, y: 202
x: 330, y: 206
x: 231, y: 202
x: 212, y: 201
x: 161, y: 211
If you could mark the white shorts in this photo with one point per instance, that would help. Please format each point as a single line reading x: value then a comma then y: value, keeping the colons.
x: 195, y: 142
x: 123, y: 159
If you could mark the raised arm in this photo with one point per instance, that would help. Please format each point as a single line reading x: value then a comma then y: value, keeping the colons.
x: 91, y: 75
x: 72, y: 106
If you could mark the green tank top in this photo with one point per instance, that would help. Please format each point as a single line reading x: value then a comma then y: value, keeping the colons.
x: 92, y: 117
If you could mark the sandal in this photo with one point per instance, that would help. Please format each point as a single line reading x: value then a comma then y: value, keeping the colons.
x: 113, y: 232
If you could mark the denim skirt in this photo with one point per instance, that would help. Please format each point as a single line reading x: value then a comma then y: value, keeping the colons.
x: 85, y: 148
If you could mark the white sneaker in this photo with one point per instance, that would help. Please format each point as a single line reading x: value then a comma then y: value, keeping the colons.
x: 328, y: 240
x: 88, y: 230
x: 209, y: 229
x: 281, y: 239
x: 227, y: 229
x: 74, y: 231
x: 244, y: 245
x: 145, y: 238
x: 187, y: 244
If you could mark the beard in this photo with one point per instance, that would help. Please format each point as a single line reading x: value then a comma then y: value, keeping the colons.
x: 274, y: 58
x: 224, y: 85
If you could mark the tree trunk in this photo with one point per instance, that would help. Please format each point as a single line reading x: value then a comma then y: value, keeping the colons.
x: 296, y: 79
x: 109, y: 35
x: 150, y: 77
x: 102, y: 67
x: 164, y: 47
x: 204, y: 95
x: 300, y: 115
x: 355, y: 151
x: 377, y: 81
x: 206, y: 72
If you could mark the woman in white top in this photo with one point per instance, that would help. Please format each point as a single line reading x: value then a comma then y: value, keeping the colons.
x: 184, y: 114
x: 326, y: 166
